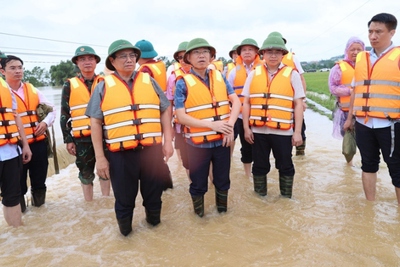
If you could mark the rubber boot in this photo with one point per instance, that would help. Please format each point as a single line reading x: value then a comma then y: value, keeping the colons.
x: 260, y: 184
x: 22, y: 203
x: 286, y: 185
x: 300, y: 150
x: 153, y: 216
x: 198, y: 205
x: 125, y: 225
x: 38, y: 197
x: 221, y: 200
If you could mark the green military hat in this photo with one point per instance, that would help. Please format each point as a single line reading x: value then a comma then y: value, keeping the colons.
x: 277, y: 34
x: 181, y: 48
x: 147, y: 49
x: 247, y: 41
x: 198, y: 43
x: 2, y: 55
x: 274, y: 42
x: 117, y: 46
x: 234, y: 49
x: 84, y: 51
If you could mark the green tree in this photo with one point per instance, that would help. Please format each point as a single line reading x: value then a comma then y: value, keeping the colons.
x: 37, y: 76
x: 61, y: 72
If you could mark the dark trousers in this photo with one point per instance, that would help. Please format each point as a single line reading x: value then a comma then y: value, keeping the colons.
x: 246, y: 149
x: 10, y: 171
x: 129, y: 167
x: 371, y: 142
x: 281, y: 147
x: 37, y: 167
x: 199, y: 167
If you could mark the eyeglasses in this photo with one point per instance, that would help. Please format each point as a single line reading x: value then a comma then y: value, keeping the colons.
x: 197, y: 53
x: 125, y: 56
x: 179, y: 57
x: 275, y: 53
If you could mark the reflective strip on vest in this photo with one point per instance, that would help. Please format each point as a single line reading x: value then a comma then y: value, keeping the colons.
x: 27, y: 113
x: 219, y: 104
x: 86, y: 127
x: 377, y: 82
x: 131, y: 107
x: 8, y: 135
x: 189, y: 135
x: 26, y: 125
x: 132, y: 137
x: 79, y: 117
x: 4, y: 110
x: 374, y: 95
x: 384, y: 110
x: 270, y: 119
x: 127, y: 123
x: 272, y: 107
x: 3, y: 123
x: 78, y: 107
x: 266, y: 95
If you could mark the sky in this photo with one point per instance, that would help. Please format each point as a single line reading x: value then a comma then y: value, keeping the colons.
x: 45, y: 32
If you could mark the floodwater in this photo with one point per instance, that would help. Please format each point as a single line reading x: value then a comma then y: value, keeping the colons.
x: 328, y: 222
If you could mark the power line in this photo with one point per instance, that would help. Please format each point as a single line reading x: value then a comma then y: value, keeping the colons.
x: 47, y: 39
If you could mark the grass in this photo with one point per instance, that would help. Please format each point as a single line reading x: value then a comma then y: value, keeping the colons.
x: 318, y: 90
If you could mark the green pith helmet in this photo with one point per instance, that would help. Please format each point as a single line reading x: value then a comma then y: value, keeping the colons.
x: 83, y: 51
x: 147, y: 49
x: 247, y: 41
x: 2, y: 55
x: 277, y: 34
x: 234, y: 49
x: 197, y: 43
x: 181, y: 48
x: 273, y: 42
x: 117, y: 46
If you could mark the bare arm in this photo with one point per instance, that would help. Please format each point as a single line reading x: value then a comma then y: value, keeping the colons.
x: 26, y: 151
x: 167, y: 133
x: 102, y: 165
x: 298, y: 118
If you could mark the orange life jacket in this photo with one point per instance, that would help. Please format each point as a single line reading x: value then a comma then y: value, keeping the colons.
x: 347, y: 77
x: 8, y: 128
x: 27, y: 112
x: 78, y: 100
x: 230, y: 66
x: 159, y: 73
x: 219, y: 65
x: 377, y: 87
x: 272, y: 101
x: 288, y: 60
x: 205, y: 103
x: 131, y: 117
x: 241, y: 76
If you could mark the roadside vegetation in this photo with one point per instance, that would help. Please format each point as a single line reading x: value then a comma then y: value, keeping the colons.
x: 318, y: 91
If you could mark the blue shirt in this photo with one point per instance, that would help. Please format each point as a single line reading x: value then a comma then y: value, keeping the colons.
x: 180, y: 99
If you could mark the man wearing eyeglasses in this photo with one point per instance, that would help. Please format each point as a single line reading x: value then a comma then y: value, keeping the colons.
x: 246, y: 61
x: 11, y: 155
x: 28, y: 98
x: 75, y: 125
x: 202, y: 102
x: 131, y: 112
x: 273, y: 101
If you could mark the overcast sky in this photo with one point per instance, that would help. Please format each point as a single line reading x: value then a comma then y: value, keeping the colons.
x: 314, y: 29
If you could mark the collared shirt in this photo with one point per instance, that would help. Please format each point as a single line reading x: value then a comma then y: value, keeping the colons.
x: 375, y: 122
x: 180, y: 98
x: 93, y: 109
x: 51, y: 116
x: 10, y: 151
x: 298, y: 93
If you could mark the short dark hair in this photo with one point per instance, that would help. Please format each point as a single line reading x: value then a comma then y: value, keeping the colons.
x: 4, y: 61
x: 388, y: 19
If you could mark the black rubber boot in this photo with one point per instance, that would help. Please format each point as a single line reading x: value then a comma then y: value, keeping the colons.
x: 38, y: 197
x: 260, y: 184
x: 221, y: 200
x: 125, y: 225
x: 153, y: 217
x: 198, y: 205
x: 22, y: 203
x: 300, y: 150
x: 286, y: 185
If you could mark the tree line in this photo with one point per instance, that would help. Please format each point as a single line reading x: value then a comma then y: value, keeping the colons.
x: 59, y: 73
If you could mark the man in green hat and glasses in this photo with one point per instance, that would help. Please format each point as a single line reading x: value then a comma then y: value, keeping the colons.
x: 273, y: 101
x: 208, y: 107
x: 131, y: 112
x: 75, y: 125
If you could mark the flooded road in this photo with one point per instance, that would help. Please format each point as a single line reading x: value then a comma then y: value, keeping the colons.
x: 328, y: 222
